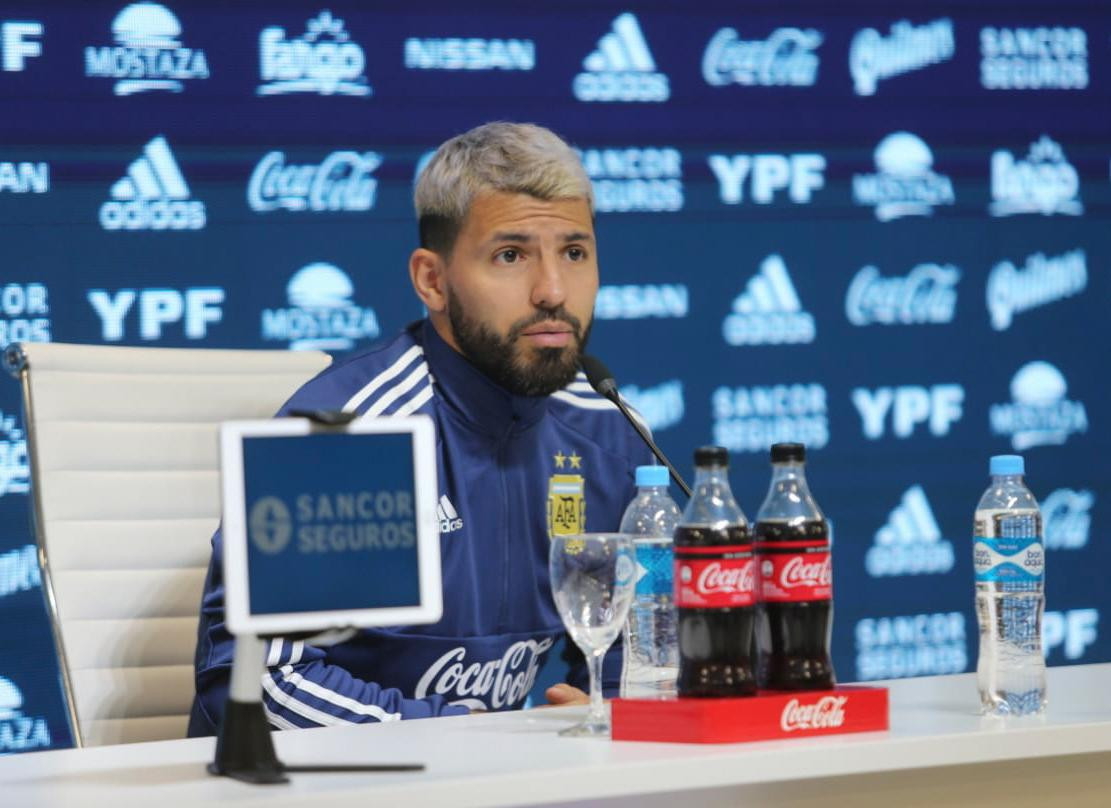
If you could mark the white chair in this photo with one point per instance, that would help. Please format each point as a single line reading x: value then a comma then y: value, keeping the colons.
x: 125, y: 492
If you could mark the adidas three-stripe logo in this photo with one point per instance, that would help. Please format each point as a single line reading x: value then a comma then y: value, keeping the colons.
x: 153, y: 195
x: 450, y: 521
x: 768, y: 311
x: 622, y: 67
x: 154, y: 175
x: 911, y: 522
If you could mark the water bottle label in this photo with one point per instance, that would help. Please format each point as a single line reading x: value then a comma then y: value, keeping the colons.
x: 655, y: 565
x: 1008, y: 560
x: 726, y: 581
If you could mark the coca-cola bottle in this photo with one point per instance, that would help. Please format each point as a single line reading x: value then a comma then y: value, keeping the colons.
x: 795, y: 614
x: 715, y: 586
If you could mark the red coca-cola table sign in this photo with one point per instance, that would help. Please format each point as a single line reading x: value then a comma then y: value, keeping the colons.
x: 766, y: 716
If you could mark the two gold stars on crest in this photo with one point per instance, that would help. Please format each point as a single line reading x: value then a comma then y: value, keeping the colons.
x: 560, y: 458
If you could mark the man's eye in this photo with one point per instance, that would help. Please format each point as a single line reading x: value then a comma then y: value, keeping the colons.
x: 576, y: 253
x: 508, y: 256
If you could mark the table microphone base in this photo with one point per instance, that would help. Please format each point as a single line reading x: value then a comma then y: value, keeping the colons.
x: 244, y: 748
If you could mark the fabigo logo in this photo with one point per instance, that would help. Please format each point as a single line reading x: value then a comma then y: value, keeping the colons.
x: 323, y: 60
x: 1043, y: 183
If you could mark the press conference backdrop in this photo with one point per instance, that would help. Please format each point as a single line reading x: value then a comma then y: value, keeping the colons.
x: 880, y: 229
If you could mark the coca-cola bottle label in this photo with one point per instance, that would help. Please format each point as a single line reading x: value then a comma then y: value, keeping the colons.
x: 795, y: 575
x: 718, y: 577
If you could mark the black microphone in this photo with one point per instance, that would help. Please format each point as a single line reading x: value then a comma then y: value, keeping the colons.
x: 604, y: 385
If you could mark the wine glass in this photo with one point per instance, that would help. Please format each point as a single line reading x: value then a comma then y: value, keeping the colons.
x: 593, y: 579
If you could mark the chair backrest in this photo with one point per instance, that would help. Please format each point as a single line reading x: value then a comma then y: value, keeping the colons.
x: 125, y: 489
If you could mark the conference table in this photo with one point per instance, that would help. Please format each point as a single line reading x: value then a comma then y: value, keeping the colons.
x: 938, y: 752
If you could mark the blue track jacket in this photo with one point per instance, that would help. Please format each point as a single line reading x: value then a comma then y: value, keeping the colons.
x: 511, y: 469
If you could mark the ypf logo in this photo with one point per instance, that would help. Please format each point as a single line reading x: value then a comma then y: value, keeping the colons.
x: 147, y: 54
x: 270, y: 525
x: 938, y: 406
x: 20, y: 41
x: 1039, y: 414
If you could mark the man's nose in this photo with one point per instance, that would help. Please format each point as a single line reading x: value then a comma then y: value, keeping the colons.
x: 548, y: 286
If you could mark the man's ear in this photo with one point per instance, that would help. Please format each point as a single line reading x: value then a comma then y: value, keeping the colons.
x: 426, y: 271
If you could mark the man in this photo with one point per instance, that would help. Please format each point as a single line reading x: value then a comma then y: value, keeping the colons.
x: 508, y: 271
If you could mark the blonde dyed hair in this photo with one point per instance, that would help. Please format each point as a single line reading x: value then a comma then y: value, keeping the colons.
x: 520, y: 158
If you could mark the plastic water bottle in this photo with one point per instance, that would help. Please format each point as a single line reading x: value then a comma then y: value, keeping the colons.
x: 1009, y: 558
x: 651, y: 641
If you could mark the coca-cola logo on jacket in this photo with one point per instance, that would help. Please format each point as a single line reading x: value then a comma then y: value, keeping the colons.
x: 489, y: 685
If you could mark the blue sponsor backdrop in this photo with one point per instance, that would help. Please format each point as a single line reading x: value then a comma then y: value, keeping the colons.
x: 882, y: 230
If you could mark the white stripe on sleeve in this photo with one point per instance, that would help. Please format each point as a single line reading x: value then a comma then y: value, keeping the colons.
x: 393, y: 370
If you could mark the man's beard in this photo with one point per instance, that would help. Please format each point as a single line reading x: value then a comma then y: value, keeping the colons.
x: 502, y: 359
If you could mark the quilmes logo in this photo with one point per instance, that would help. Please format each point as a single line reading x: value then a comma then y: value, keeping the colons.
x: 799, y: 174
x: 636, y: 179
x: 15, y: 470
x: 24, y: 177
x: 905, y: 183
x: 785, y: 58
x: 939, y: 407
x: 153, y: 195
x: 472, y: 53
x: 147, y: 54
x: 910, y: 645
x: 768, y: 311
x: 343, y: 181
x: 323, y: 60
x: 910, y: 542
x: 19, y: 41
x: 927, y: 294
x: 1039, y: 414
x: 24, y: 313
x: 321, y: 314
x: 750, y: 419
x: 19, y: 570
x: 640, y: 301
x: 873, y: 57
x: 622, y: 67
x: 662, y: 405
x: 18, y: 732
x: 1043, y: 183
x: 1042, y: 280
x: 450, y: 521
x: 1067, y: 518
x: 1042, y: 58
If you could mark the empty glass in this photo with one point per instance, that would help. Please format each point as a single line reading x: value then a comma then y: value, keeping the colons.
x: 593, y: 579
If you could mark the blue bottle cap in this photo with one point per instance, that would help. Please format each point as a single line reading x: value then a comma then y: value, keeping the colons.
x: 1007, y: 464
x: 651, y: 475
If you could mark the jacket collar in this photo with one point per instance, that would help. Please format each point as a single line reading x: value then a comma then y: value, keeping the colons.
x: 472, y: 394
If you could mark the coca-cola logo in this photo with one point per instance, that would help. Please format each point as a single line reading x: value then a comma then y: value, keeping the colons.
x: 927, y: 294
x: 828, y: 712
x: 489, y: 685
x: 342, y: 181
x: 784, y: 58
x: 716, y: 578
x: 798, y: 572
